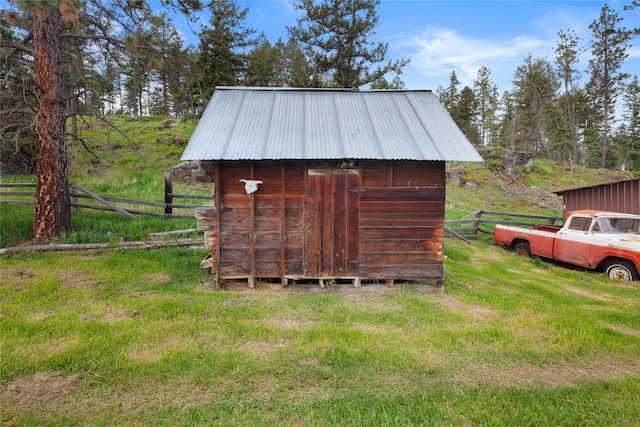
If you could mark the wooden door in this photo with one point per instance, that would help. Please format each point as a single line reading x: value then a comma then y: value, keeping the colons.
x: 332, y: 234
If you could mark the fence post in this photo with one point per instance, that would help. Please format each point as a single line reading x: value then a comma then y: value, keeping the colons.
x: 476, y: 223
x: 168, y: 190
x: 74, y: 199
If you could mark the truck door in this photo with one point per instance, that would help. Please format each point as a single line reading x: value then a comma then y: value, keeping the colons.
x: 572, y: 244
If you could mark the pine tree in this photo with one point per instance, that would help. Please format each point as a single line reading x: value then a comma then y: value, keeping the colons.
x: 52, y: 216
x: 449, y: 96
x: 609, y: 48
x: 567, y: 54
x: 486, y: 94
x: 629, y: 144
x: 465, y: 114
x: 224, y: 46
x: 45, y: 32
x: 336, y: 35
x: 535, y: 86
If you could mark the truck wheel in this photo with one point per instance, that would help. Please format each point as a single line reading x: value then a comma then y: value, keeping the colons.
x: 523, y: 249
x: 621, y: 270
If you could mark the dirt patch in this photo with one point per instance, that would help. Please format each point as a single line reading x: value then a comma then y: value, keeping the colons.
x: 552, y: 375
x: 18, y: 277
x: 157, y: 350
x: 589, y: 294
x: 154, y: 278
x: 477, y: 312
x: 76, y: 279
x: 289, y: 323
x: 38, y: 389
x: 117, y: 316
x: 624, y: 330
x: 262, y: 348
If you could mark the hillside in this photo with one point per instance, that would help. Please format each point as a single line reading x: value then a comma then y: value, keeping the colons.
x: 490, y: 186
x: 129, y: 158
x: 153, y: 144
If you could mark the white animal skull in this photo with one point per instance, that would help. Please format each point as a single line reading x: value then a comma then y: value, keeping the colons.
x: 251, y: 185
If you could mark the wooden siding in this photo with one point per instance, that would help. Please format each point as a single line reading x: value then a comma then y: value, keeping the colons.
x: 377, y: 220
x: 402, y: 220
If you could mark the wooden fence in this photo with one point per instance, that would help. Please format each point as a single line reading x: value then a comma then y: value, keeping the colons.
x: 24, y: 194
x: 468, y: 227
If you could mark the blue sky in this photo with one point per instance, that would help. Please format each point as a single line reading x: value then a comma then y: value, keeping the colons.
x: 441, y: 36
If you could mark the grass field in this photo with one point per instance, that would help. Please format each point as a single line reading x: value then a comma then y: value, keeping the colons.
x: 131, y: 337
x: 134, y: 337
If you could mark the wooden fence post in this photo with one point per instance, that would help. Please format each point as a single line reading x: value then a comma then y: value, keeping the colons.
x: 168, y: 190
x: 476, y: 224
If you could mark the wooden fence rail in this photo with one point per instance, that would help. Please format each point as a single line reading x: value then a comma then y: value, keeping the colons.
x: 469, y: 226
x: 466, y: 228
x: 106, y: 203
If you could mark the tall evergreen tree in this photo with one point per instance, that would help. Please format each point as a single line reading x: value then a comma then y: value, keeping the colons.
x: 166, y: 64
x: 261, y: 66
x: 567, y: 53
x: 53, y: 202
x: 449, y: 96
x: 629, y: 144
x: 42, y: 27
x: 535, y: 86
x: 609, y: 49
x: 465, y: 114
x: 224, y: 46
x: 486, y: 94
x: 292, y: 68
x: 337, y: 36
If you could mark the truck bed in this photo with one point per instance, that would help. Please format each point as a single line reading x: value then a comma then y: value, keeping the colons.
x: 549, y: 228
x: 540, y: 239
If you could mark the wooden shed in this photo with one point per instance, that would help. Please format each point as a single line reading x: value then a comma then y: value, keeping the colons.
x: 321, y: 185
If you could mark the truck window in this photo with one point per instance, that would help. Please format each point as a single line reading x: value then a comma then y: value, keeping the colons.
x: 604, y: 225
x: 580, y: 223
x: 625, y: 225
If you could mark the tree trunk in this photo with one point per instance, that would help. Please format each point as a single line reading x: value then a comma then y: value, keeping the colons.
x: 605, y: 125
x: 53, y: 203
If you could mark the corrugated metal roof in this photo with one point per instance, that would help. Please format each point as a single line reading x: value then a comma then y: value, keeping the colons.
x: 284, y: 123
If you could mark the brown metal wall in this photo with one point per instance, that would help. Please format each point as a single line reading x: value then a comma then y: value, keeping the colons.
x: 622, y: 196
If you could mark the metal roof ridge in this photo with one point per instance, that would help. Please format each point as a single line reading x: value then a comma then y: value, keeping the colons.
x: 316, y: 89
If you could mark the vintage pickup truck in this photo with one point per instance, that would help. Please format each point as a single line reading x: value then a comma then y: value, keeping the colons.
x: 604, y: 241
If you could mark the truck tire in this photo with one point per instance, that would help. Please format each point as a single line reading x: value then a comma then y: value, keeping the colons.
x: 621, y: 270
x: 523, y: 249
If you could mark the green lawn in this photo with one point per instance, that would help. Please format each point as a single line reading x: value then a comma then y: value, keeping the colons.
x: 131, y: 337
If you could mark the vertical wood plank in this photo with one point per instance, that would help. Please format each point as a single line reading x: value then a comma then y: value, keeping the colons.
x: 353, y: 226
x: 313, y: 226
x: 339, y: 224
x: 283, y: 231
x: 217, y: 255
x: 252, y: 231
x: 326, y: 223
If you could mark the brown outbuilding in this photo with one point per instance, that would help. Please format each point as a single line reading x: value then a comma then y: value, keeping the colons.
x: 325, y: 185
x: 620, y: 196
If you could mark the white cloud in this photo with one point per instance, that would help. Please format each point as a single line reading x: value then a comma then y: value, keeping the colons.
x: 438, y: 51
